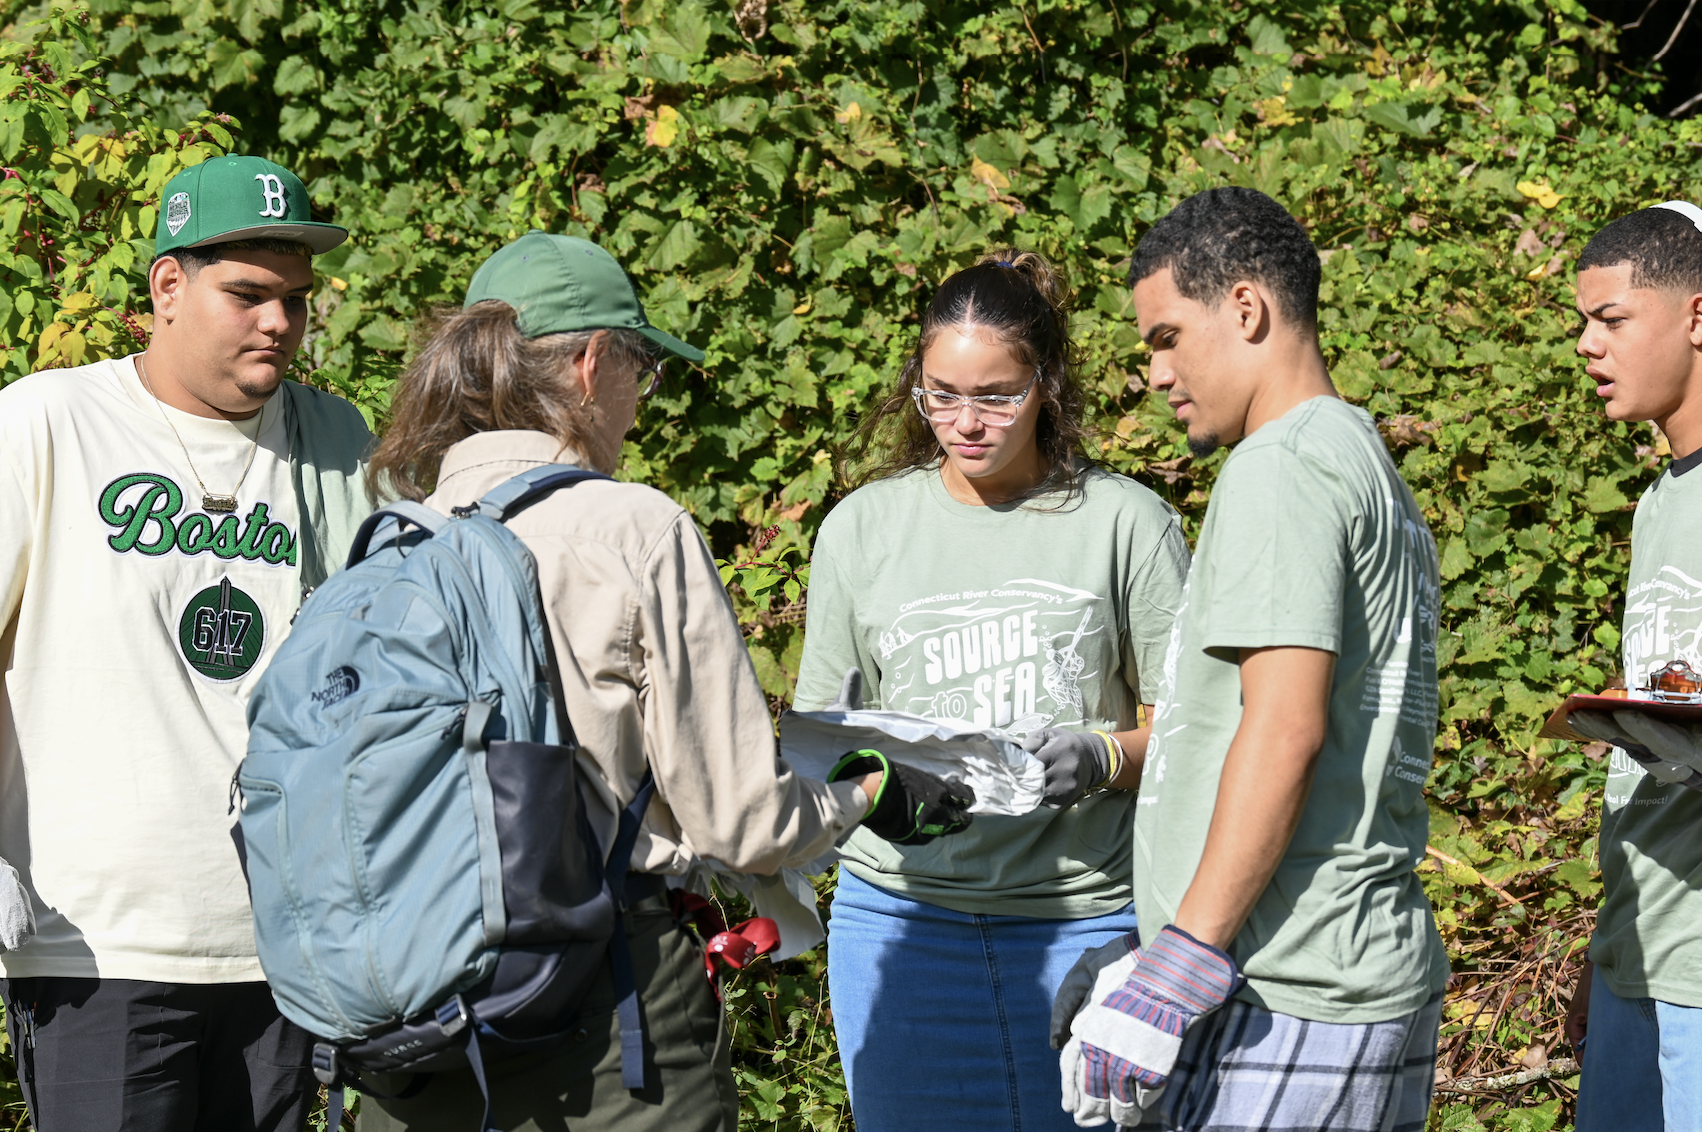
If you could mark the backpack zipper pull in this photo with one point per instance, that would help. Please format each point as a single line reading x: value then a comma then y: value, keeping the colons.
x: 455, y: 725
x: 235, y: 790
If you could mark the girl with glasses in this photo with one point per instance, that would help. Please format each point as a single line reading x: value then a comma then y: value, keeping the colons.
x: 985, y: 570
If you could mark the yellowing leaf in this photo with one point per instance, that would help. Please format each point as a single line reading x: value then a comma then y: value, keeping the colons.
x: 1274, y: 112
x: 339, y: 284
x: 78, y: 303
x: 848, y: 115
x: 50, y: 336
x: 1540, y: 192
x: 1537, y: 272
x: 73, y: 348
x: 802, y: 308
x: 988, y: 175
x: 664, y: 128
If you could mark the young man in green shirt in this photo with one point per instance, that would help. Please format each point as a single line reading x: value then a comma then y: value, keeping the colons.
x: 1288, y: 972
x: 1639, y: 1001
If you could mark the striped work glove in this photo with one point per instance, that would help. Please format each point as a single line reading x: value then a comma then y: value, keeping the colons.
x: 1125, y: 1043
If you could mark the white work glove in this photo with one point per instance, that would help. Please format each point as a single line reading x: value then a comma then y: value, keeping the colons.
x: 17, y: 915
x: 1090, y: 1112
x: 1670, y: 752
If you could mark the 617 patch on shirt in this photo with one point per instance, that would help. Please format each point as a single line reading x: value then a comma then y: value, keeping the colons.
x: 221, y: 632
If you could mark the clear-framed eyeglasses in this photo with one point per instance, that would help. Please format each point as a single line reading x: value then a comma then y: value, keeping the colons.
x: 654, y: 368
x: 994, y: 409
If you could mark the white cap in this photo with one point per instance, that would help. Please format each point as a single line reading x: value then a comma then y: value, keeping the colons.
x: 1685, y: 209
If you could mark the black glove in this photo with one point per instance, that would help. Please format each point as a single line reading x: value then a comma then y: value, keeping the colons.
x: 1075, y: 762
x: 912, y: 807
x: 1073, y: 992
x: 850, y: 692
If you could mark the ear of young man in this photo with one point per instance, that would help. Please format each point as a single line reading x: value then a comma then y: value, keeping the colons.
x: 1230, y: 367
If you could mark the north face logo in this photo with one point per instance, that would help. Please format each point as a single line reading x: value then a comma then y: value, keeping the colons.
x: 340, y: 684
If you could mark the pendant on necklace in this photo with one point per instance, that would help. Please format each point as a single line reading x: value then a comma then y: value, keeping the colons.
x: 218, y: 504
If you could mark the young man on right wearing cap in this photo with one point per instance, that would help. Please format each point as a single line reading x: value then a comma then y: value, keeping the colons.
x: 1288, y: 972
x: 161, y: 516
x: 1639, y: 1001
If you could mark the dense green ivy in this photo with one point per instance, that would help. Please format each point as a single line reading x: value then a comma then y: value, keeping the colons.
x: 787, y: 181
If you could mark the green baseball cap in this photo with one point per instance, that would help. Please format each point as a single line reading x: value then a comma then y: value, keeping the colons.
x: 239, y: 198
x: 561, y: 283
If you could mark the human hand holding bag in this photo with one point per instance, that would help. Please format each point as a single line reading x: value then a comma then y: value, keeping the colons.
x: 910, y: 806
x: 1075, y: 762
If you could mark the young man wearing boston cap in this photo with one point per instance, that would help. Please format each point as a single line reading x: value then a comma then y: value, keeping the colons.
x: 161, y: 516
x: 1639, y: 1001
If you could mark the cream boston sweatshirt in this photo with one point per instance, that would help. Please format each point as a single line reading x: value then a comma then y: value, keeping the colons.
x: 132, y: 628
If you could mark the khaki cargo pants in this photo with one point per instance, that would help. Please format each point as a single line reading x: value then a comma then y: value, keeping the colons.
x: 577, y: 1087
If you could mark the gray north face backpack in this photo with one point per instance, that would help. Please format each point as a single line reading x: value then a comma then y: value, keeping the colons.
x: 427, y: 892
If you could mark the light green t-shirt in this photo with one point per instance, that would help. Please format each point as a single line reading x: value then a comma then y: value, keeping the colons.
x: 1648, y: 941
x: 1021, y: 617
x: 1311, y: 539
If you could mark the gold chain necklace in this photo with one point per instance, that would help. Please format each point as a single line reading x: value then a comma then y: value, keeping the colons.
x: 216, y: 504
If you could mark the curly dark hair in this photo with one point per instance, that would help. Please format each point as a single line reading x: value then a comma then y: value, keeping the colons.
x: 1215, y: 239
x: 1026, y: 302
x: 1663, y: 248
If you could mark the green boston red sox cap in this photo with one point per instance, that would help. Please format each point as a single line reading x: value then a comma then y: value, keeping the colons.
x: 239, y: 198
x: 562, y: 283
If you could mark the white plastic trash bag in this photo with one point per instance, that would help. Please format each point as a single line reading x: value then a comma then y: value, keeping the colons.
x: 1006, y: 779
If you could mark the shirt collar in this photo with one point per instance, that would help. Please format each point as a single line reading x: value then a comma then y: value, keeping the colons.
x: 509, y: 447
x: 1679, y: 467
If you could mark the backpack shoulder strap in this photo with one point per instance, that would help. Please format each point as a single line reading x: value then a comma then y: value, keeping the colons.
x: 511, y: 497
x: 400, y: 512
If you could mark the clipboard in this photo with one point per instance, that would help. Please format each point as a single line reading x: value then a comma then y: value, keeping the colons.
x: 1616, y: 699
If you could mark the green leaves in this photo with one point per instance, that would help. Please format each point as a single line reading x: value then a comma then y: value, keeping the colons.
x: 1404, y: 118
x: 788, y: 182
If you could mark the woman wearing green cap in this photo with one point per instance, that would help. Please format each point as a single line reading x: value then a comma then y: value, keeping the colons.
x: 546, y: 363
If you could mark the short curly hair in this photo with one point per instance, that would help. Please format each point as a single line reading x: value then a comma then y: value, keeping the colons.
x: 1663, y: 248
x: 1215, y: 239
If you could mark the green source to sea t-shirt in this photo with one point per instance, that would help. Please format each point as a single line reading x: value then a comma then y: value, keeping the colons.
x: 1311, y: 540
x: 1648, y: 941
x: 1049, y: 613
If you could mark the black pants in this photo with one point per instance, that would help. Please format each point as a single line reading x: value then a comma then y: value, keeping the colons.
x: 101, y: 1055
x: 577, y: 1088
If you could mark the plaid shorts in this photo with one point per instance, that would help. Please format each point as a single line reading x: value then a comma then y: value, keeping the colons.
x: 1246, y: 1068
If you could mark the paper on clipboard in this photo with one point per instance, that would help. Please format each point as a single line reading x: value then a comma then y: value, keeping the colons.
x: 1558, y: 726
x: 1006, y: 779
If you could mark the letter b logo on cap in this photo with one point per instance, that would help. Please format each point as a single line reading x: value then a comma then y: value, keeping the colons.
x: 272, y: 190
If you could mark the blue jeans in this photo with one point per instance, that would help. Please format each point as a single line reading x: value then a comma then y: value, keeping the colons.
x: 1642, y: 1065
x: 942, y: 1017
